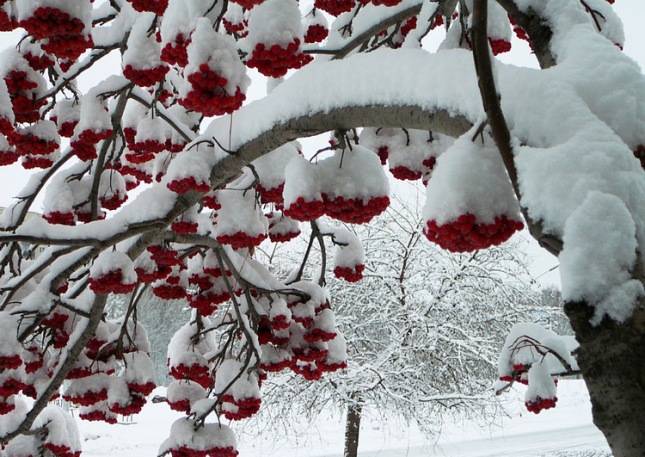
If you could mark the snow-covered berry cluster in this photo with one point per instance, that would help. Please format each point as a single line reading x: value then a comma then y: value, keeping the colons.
x: 312, y: 190
x: 275, y: 38
x: 531, y: 355
x: 142, y: 63
x: 215, y: 76
x: 113, y: 272
x: 466, y: 234
x: 461, y: 218
x: 240, y: 223
x: 63, y: 29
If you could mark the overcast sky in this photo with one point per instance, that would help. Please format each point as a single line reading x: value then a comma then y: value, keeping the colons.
x: 13, y: 178
x: 632, y: 12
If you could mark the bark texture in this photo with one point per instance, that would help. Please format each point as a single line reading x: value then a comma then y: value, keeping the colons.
x: 612, y: 360
x: 352, y: 429
x: 611, y: 355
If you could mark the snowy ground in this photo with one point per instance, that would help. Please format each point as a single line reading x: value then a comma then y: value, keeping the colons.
x: 566, y: 431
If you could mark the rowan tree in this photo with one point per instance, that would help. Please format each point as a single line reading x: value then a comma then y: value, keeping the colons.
x: 498, y: 146
x: 422, y: 329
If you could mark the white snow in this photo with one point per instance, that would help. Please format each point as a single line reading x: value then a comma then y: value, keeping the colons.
x: 566, y: 430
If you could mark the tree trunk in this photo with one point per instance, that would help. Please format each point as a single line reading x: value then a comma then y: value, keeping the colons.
x: 352, y: 429
x: 612, y: 360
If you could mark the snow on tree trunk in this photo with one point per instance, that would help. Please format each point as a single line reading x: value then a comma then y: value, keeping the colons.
x: 609, y: 358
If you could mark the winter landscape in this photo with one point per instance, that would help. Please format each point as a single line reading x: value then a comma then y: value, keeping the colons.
x: 566, y: 431
x: 257, y: 227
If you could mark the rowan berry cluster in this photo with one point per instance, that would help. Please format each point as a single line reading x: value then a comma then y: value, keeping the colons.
x: 209, y: 95
x: 335, y: 7
x: 465, y: 234
x: 111, y: 283
x: 276, y: 60
x: 350, y: 274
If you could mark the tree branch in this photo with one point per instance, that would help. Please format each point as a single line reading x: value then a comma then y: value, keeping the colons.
x: 496, y: 120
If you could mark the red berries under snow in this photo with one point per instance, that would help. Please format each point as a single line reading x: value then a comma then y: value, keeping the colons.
x: 538, y: 404
x: 335, y: 7
x: 275, y: 37
x: 113, y: 272
x: 463, y: 217
x: 276, y: 60
x: 499, y: 30
x: 350, y: 186
x: 142, y: 62
x: 155, y: 6
x: 240, y: 223
x: 349, y: 259
x: 499, y: 46
x: 349, y: 274
x: 240, y: 395
x: 216, y: 78
x: 48, y: 21
x: 26, y: 89
x: 466, y: 233
x: 189, y: 440
x: 63, y: 27
x: 520, y: 360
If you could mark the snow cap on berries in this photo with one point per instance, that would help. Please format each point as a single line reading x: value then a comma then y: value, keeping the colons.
x: 487, y: 201
x: 215, y: 77
x: 354, y: 186
x: 93, y: 116
x: 499, y: 29
x: 302, y: 194
x: 113, y: 263
x: 112, y: 190
x: 62, y: 437
x: 190, y: 170
x: 245, y: 386
x: 282, y: 228
x: 275, y: 38
x: 142, y: 62
x: 349, y: 258
x: 181, y: 395
x: 542, y: 390
x: 11, y: 352
x: 60, y: 17
x: 67, y: 114
x: 274, y: 22
x: 241, y: 222
x: 209, y: 439
x: 270, y: 167
x: 316, y: 27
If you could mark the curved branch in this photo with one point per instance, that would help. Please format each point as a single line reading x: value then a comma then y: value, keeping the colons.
x: 65, y: 367
x: 344, y: 118
x: 445, y: 8
x: 496, y: 120
x: 536, y: 28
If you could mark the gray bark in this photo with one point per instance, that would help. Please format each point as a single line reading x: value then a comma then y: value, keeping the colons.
x: 611, y: 354
x: 352, y: 429
x: 611, y: 358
